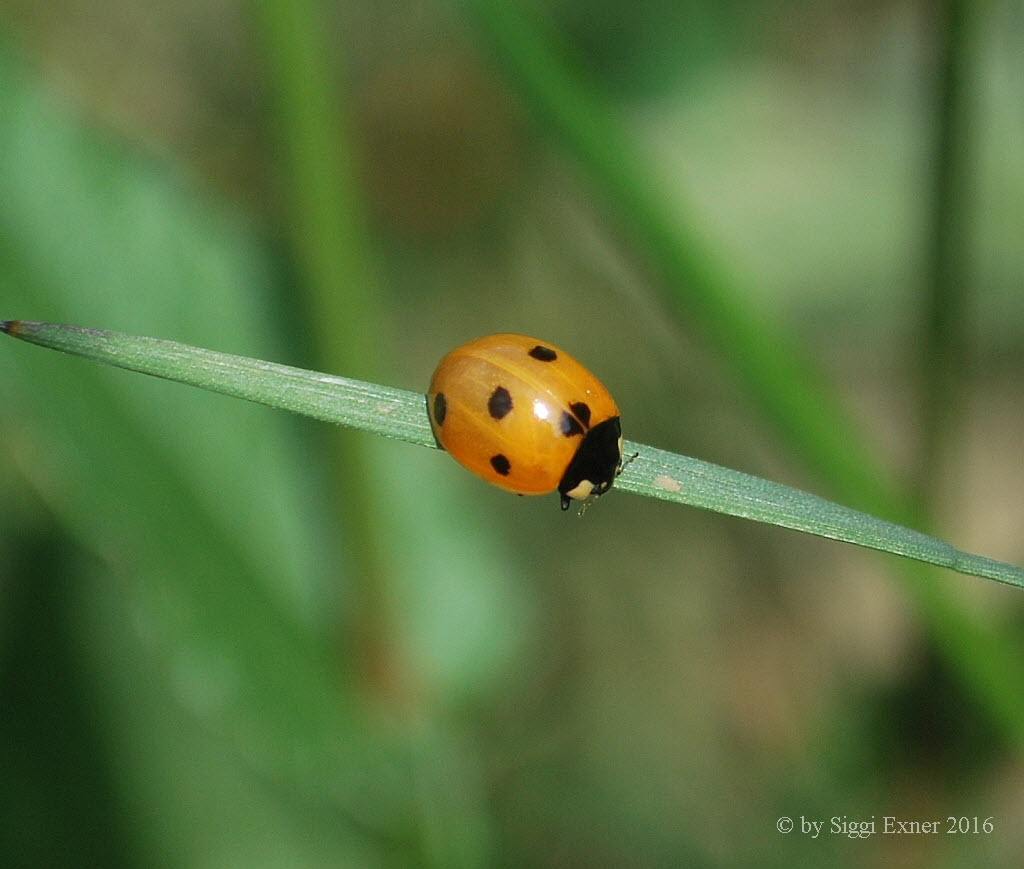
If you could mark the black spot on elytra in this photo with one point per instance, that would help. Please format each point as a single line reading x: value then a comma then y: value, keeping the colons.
x: 582, y: 411
x: 440, y: 408
x: 570, y: 426
x: 500, y: 403
x: 501, y: 464
x: 543, y: 354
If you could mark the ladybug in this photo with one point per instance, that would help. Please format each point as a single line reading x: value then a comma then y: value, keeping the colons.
x: 526, y: 417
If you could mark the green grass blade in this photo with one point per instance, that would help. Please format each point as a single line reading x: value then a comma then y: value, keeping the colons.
x: 400, y: 413
x: 672, y: 477
x: 395, y: 413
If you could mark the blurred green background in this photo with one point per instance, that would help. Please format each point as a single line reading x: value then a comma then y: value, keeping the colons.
x: 229, y: 637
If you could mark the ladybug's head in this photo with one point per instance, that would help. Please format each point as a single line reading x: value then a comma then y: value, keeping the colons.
x: 595, y: 465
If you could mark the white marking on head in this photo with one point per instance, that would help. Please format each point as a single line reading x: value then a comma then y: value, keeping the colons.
x: 584, y: 489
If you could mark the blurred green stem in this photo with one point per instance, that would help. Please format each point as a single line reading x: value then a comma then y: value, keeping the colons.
x: 323, y: 205
x: 945, y: 320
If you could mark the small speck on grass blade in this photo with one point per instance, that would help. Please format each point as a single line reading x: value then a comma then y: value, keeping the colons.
x: 673, y: 477
x: 399, y: 413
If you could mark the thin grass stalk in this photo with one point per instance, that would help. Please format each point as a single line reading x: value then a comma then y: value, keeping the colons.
x: 945, y: 310
x: 324, y: 211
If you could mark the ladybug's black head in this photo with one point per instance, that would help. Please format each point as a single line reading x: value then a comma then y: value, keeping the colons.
x: 595, y: 465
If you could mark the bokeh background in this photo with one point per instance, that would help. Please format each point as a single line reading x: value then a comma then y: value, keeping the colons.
x: 786, y: 235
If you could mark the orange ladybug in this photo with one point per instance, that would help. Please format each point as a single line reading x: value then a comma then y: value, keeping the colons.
x: 526, y: 417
